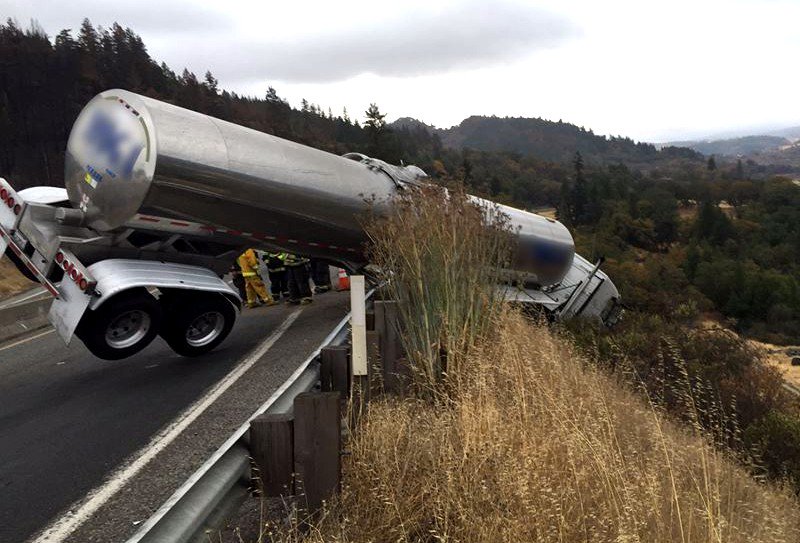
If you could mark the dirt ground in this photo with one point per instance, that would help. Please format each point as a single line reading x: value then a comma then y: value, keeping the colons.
x: 687, y: 212
x: 549, y: 212
x: 777, y: 355
x: 11, y: 281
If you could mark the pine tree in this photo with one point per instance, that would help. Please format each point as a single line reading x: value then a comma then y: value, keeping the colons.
x: 272, y: 96
x: 564, y: 208
x: 579, y: 192
x: 211, y: 82
x: 375, y: 119
x: 375, y: 125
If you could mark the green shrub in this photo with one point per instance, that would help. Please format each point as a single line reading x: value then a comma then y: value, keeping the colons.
x: 775, y: 441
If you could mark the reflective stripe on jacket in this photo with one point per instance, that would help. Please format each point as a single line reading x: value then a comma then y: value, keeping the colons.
x: 294, y: 260
x: 275, y: 262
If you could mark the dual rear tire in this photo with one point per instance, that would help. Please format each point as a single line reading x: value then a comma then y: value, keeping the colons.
x: 192, y: 323
x: 197, y: 322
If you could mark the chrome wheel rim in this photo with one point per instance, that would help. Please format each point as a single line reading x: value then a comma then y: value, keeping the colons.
x: 128, y: 329
x: 205, y: 329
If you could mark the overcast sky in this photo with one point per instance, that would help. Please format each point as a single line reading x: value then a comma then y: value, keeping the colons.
x: 651, y: 70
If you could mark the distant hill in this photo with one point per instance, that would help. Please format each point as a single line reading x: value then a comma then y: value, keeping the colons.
x: 791, y: 133
x: 412, y: 124
x: 548, y: 140
x: 785, y: 156
x: 744, y: 146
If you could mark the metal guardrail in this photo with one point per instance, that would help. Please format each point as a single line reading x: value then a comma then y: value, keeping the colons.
x: 222, y: 483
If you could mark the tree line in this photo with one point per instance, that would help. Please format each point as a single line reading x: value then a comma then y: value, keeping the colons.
x: 44, y: 84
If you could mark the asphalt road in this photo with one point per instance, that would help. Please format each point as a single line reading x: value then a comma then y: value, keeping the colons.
x: 68, y: 419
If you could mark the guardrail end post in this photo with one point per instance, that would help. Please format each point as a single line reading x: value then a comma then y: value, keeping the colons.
x: 272, y: 449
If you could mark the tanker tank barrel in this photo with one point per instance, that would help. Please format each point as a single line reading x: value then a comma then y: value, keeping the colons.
x: 128, y: 154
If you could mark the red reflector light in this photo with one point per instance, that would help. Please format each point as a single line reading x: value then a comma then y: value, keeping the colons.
x: 17, y: 209
x: 83, y: 284
x: 10, y: 202
x: 59, y: 257
x: 3, y: 194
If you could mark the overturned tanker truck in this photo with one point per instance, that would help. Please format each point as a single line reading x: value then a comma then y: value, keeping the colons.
x: 159, y: 201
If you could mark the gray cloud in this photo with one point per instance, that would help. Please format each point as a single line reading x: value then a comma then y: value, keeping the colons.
x: 144, y: 17
x: 473, y: 34
x: 468, y: 36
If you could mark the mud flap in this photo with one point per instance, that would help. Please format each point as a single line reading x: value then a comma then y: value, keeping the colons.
x: 67, y: 310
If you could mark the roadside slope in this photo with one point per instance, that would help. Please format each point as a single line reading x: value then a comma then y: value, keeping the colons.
x: 538, y: 446
x: 11, y: 281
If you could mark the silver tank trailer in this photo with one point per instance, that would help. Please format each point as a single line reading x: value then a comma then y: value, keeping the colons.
x: 130, y: 154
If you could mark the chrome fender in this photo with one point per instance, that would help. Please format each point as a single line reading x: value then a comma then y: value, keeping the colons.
x: 117, y: 275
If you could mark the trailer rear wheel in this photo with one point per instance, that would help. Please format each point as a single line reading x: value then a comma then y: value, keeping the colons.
x: 122, y: 326
x: 198, y: 323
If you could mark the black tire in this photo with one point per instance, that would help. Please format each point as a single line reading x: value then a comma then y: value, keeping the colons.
x: 196, y: 321
x: 122, y: 326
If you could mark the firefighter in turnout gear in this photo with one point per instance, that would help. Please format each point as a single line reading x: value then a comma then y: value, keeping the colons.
x: 321, y: 276
x: 277, y: 275
x: 256, y: 291
x: 297, y: 277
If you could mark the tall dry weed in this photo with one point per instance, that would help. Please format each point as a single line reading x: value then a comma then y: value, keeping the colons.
x: 441, y: 255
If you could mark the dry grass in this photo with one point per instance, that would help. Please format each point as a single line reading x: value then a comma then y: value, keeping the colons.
x: 538, y: 447
x: 11, y: 281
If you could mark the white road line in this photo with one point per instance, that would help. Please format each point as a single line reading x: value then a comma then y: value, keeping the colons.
x: 80, y: 512
x: 27, y: 339
x: 20, y: 301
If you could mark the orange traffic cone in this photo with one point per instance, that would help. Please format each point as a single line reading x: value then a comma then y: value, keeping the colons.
x: 344, y: 280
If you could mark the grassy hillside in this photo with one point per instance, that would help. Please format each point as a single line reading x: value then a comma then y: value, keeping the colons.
x: 788, y: 156
x: 538, y: 447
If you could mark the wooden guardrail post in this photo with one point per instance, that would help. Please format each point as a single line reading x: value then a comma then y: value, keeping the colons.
x: 335, y: 369
x: 395, y: 373
x: 272, y: 449
x: 370, y: 319
x: 317, y: 445
x: 374, y: 381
